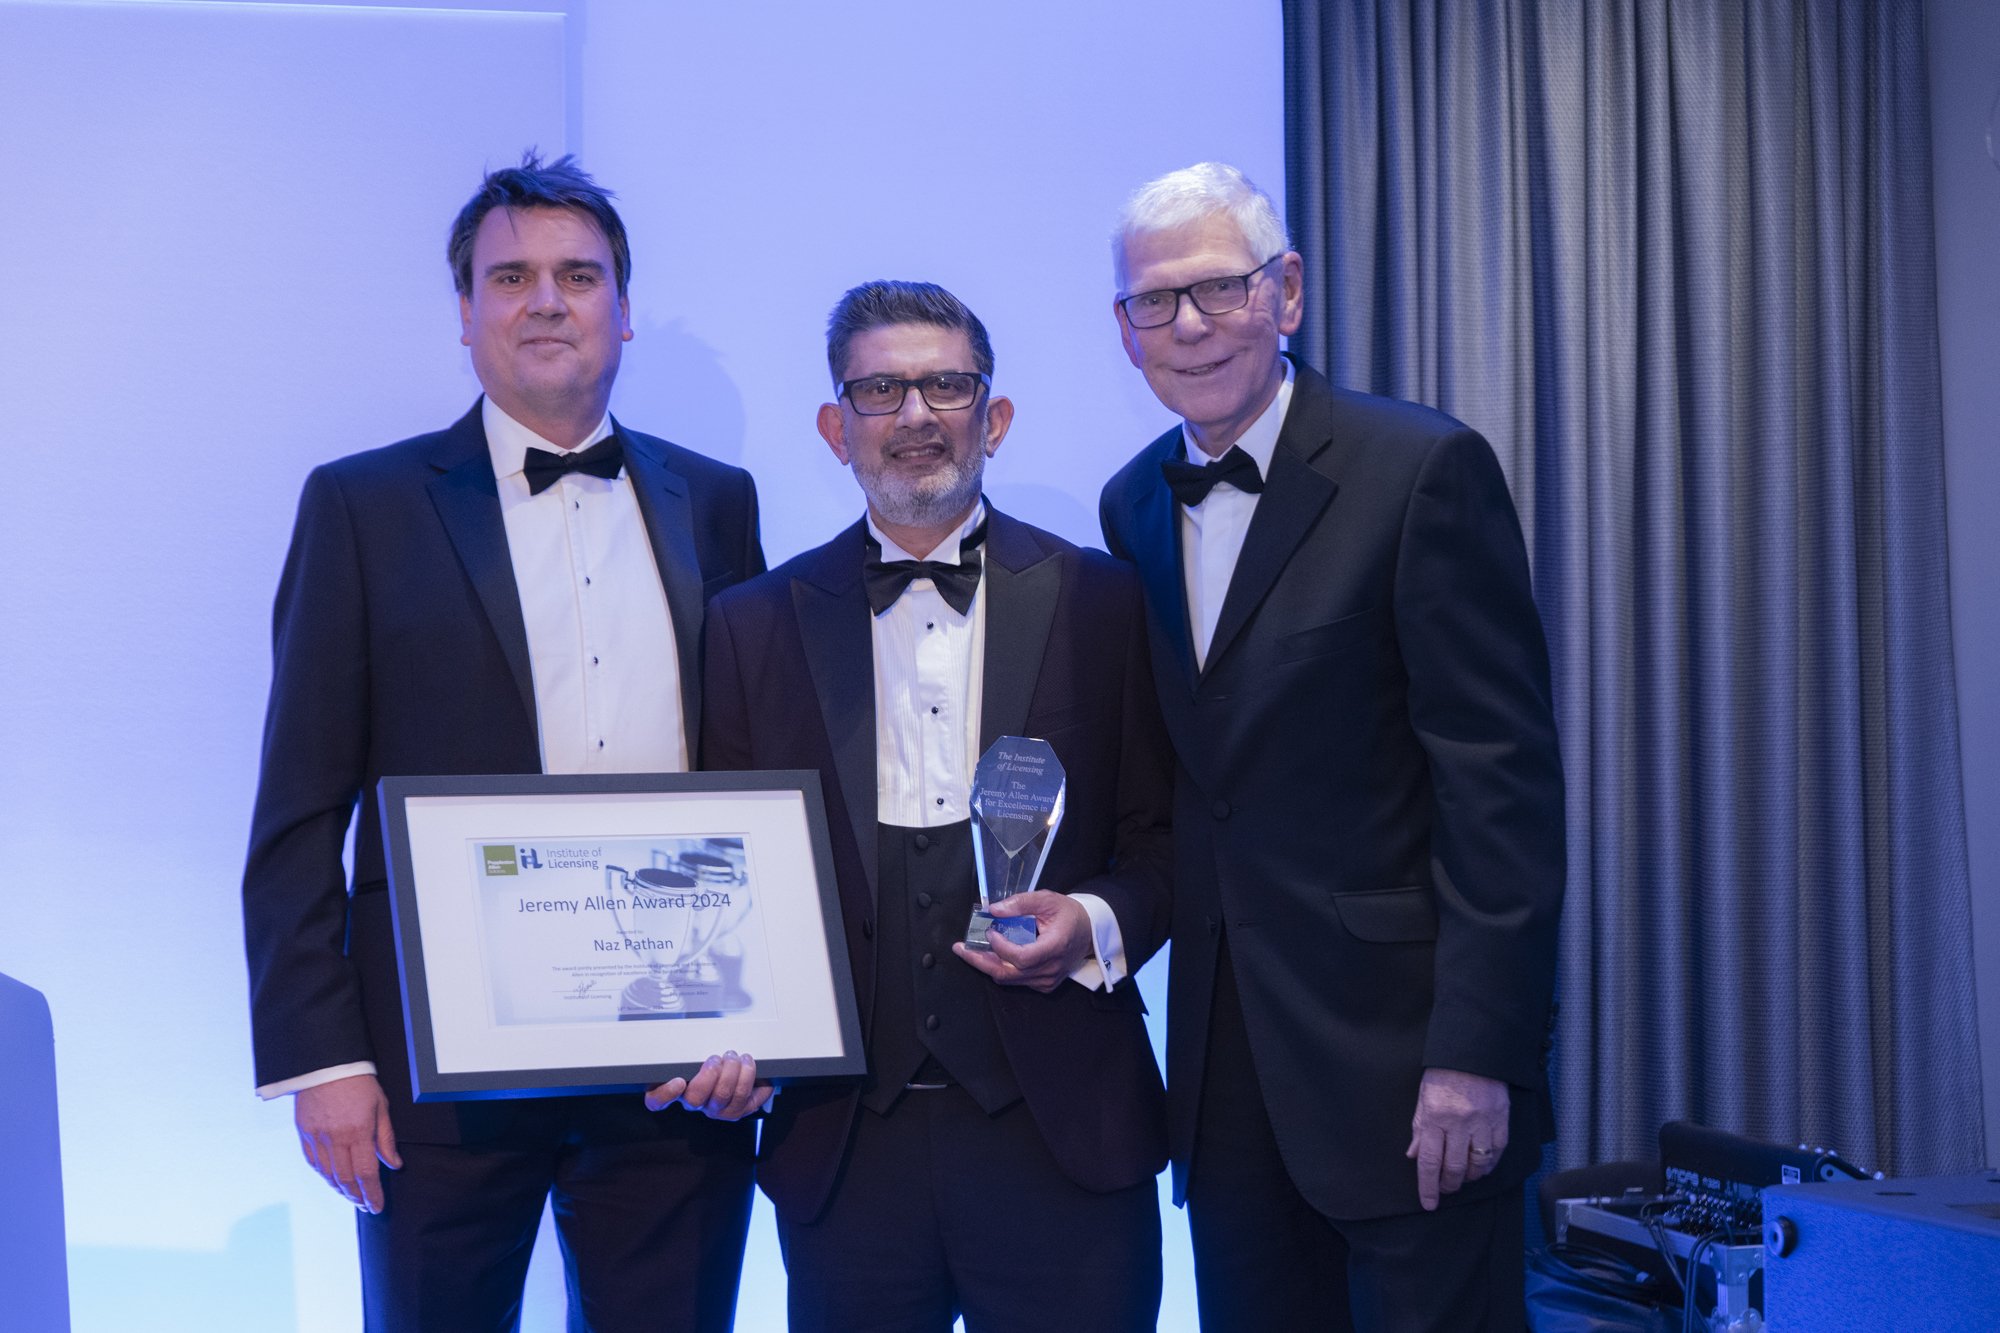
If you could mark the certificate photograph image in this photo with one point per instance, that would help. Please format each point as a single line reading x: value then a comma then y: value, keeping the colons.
x: 618, y: 929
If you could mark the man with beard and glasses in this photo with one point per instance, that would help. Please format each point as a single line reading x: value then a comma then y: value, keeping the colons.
x: 998, y: 1159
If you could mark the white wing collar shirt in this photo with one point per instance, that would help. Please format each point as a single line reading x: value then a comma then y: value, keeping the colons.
x: 929, y: 688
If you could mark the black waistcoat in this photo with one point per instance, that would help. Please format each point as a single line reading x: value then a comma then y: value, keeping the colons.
x: 930, y: 1005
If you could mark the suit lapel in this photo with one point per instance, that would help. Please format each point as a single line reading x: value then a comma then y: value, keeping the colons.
x: 1295, y: 495
x: 832, y: 608
x: 663, y: 504
x: 468, y: 504
x: 1156, y: 549
x: 1022, y: 585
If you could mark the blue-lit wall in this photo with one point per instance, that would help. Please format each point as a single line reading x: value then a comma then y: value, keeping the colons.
x: 223, y: 228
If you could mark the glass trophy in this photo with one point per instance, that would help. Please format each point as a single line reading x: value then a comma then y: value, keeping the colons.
x: 1017, y: 805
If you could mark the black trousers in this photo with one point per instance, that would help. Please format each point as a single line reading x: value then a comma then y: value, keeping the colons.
x: 942, y: 1210
x: 1264, y: 1258
x: 651, y: 1217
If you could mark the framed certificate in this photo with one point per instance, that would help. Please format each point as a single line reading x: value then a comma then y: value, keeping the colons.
x: 604, y: 933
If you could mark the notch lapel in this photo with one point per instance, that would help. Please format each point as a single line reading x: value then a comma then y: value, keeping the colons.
x: 663, y: 504
x: 832, y: 607
x: 1022, y: 585
x: 467, y: 499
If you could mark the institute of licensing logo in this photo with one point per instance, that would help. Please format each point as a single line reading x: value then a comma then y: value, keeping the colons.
x: 505, y: 859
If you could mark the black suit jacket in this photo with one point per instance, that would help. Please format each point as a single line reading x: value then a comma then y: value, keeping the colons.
x: 1369, y: 796
x: 790, y: 683
x: 399, y: 648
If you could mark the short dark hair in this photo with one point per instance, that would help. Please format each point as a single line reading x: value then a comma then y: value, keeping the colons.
x: 875, y: 305
x: 538, y: 184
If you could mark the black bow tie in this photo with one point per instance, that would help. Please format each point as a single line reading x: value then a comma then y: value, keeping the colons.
x: 545, y: 469
x: 1191, y: 482
x: 886, y: 579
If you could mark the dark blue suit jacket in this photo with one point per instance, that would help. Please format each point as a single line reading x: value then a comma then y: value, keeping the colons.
x: 1369, y: 800
x: 399, y: 648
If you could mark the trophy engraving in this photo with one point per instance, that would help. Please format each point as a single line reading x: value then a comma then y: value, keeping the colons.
x: 1017, y: 805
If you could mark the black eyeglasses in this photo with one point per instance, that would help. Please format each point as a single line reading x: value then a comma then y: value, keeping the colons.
x: 947, y: 391
x: 1211, y: 296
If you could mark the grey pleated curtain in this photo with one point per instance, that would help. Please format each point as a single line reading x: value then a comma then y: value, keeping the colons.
x: 1674, y: 258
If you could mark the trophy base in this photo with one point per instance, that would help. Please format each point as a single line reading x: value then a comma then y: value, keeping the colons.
x: 1013, y: 929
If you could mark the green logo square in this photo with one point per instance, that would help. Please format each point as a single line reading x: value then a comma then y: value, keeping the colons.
x: 500, y: 860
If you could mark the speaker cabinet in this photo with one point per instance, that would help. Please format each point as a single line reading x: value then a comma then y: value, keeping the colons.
x: 1855, y: 1255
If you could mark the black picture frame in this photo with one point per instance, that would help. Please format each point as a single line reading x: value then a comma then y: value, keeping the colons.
x: 810, y: 1029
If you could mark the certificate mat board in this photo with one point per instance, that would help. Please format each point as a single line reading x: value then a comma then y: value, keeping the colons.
x: 605, y: 933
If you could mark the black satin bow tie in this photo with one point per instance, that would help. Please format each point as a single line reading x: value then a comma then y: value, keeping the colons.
x: 545, y: 469
x: 1191, y: 482
x: 886, y: 579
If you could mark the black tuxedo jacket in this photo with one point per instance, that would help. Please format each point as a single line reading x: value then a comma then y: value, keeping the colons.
x: 398, y: 647
x: 790, y: 683
x: 1369, y: 796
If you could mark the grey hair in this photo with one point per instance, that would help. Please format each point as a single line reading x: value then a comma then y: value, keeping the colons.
x: 875, y: 305
x: 1191, y: 194
x: 538, y: 184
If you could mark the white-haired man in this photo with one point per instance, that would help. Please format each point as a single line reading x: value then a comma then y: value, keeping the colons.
x: 1368, y: 807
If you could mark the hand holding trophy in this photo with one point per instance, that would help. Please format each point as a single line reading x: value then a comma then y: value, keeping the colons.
x: 1017, y: 806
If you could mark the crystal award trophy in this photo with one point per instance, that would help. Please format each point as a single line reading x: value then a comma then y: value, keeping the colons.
x: 1017, y: 805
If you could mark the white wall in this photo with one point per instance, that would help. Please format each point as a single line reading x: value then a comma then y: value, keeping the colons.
x: 770, y: 157
x: 1965, y: 129
x: 226, y: 231
x: 231, y: 219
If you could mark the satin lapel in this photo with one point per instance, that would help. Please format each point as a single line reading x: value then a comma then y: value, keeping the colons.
x: 663, y: 504
x: 1156, y: 547
x: 1022, y: 585
x: 1295, y: 495
x: 832, y: 608
x: 468, y: 504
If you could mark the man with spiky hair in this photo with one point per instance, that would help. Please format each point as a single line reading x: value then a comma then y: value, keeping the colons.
x: 1368, y: 808
x: 520, y: 592
x: 998, y: 1159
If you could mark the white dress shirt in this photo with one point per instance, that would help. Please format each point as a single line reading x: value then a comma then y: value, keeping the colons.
x: 1212, y: 532
x: 601, y: 647
x: 930, y: 669
x: 600, y: 638
x: 929, y: 685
